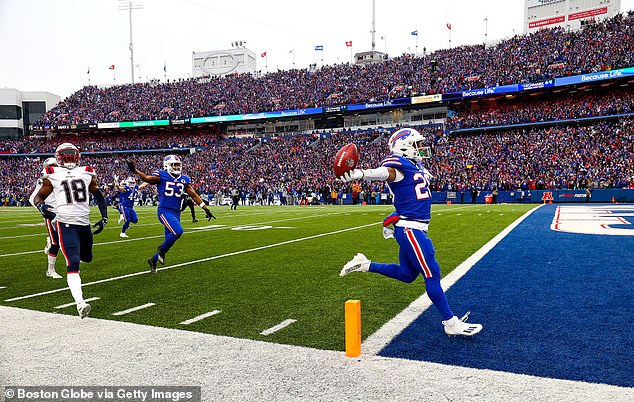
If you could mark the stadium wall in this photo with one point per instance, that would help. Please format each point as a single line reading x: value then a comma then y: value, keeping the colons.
x: 520, y: 196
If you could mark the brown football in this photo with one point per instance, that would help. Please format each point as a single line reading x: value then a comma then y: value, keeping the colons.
x: 346, y: 159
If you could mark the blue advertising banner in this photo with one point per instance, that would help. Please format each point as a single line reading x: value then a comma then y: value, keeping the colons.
x: 380, y: 104
x: 490, y: 91
x: 598, y: 76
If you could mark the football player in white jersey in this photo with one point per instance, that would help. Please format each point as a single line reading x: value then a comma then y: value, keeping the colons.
x: 71, y: 185
x: 52, y: 240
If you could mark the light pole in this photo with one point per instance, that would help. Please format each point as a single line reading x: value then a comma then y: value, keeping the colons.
x: 128, y: 5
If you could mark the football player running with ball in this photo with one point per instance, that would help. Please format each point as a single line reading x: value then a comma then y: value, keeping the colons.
x: 408, y: 181
x: 170, y: 185
x: 71, y: 185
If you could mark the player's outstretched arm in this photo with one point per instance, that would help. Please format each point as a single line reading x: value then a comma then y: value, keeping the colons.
x: 192, y: 193
x: 146, y: 178
x: 100, y: 200
x: 383, y: 173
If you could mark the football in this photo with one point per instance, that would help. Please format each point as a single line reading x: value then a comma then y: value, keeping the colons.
x: 346, y: 159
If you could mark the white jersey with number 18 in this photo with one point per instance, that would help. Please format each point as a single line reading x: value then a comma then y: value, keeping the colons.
x: 70, y: 187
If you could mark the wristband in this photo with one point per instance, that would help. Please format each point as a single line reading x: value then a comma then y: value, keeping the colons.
x: 202, y: 204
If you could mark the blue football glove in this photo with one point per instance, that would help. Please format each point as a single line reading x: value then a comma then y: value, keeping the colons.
x: 100, y: 225
x: 46, y: 211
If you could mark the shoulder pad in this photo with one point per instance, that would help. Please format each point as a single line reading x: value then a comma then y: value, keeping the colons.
x: 391, y: 161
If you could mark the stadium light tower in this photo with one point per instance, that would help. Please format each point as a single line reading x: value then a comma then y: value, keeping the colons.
x: 128, y: 5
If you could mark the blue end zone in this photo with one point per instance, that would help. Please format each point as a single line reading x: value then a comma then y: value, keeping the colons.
x: 553, y: 304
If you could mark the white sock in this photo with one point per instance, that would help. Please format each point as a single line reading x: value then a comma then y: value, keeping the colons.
x: 51, y: 263
x: 74, y: 283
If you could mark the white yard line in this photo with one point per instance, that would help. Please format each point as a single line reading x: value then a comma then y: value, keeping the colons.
x: 277, y: 327
x: 137, y: 308
x: 189, y: 232
x: 200, y: 317
x: 75, y: 303
x: 200, y: 260
x: 374, y: 343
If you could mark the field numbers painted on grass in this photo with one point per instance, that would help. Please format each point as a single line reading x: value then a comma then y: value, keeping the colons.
x: 279, y: 326
x: 74, y: 303
x: 200, y: 317
x: 137, y: 308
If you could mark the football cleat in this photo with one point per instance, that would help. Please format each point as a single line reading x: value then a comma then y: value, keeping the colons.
x: 53, y: 274
x: 359, y: 263
x: 122, y: 234
x: 152, y: 265
x: 161, y: 255
x: 455, y: 326
x: 83, y: 310
x: 194, y: 220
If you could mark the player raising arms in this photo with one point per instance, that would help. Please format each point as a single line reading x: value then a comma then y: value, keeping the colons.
x: 408, y: 181
x: 52, y: 240
x: 70, y: 184
x: 171, y: 184
x: 128, y: 190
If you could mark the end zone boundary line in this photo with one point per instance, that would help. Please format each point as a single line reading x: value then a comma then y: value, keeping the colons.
x: 374, y: 343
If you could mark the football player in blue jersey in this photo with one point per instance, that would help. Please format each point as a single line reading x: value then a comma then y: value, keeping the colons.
x: 128, y: 191
x: 170, y: 185
x: 409, y: 182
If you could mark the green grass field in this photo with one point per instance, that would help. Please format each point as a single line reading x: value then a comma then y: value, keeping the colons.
x: 258, y: 266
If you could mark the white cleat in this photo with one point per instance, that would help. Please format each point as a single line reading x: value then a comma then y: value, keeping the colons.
x: 84, y: 310
x: 455, y: 326
x: 125, y: 236
x: 121, y: 219
x: 359, y: 263
x: 53, y: 274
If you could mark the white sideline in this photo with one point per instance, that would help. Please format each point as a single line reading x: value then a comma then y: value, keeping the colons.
x: 277, y: 327
x: 75, y: 303
x: 374, y: 343
x: 200, y: 317
x: 137, y: 308
x: 197, y: 261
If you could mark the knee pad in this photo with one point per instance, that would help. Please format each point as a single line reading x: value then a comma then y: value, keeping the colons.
x: 73, y: 267
x: 53, y: 250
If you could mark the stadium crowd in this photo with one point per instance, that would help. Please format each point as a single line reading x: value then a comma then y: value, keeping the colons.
x: 296, y: 169
x: 564, y: 107
x: 534, y: 57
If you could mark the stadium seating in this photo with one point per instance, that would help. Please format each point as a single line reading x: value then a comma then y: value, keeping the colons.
x: 541, y: 55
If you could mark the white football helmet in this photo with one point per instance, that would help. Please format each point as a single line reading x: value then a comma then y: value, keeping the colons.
x: 410, y: 144
x: 173, y: 165
x: 49, y: 162
x: 67, y: 155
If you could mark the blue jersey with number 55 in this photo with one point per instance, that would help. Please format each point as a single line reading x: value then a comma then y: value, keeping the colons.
x: 170, y: 189
x: 412, y: 198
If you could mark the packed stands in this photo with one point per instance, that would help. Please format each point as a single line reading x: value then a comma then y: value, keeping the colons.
x: 600, y: 155
x: 524, y: 58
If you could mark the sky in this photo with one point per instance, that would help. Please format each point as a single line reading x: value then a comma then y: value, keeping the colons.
x: 49, y: 45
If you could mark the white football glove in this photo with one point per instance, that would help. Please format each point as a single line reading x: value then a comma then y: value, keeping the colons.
x: 388, y: 232
x: 352, y: 175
